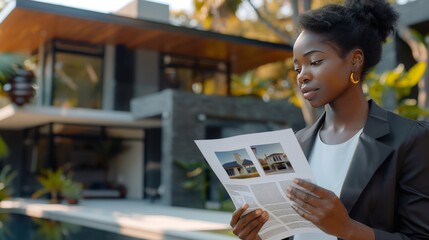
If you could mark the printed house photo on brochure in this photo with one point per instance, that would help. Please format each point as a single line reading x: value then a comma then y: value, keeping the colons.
x: 272, y: 158
x: 237, y: 164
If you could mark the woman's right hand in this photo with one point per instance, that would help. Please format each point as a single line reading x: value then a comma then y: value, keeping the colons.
x: 247, y: 226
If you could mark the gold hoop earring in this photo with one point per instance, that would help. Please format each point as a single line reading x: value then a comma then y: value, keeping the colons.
x: 352, y: 78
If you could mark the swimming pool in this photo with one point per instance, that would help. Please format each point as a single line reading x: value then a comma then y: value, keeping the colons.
x: 20, y: 227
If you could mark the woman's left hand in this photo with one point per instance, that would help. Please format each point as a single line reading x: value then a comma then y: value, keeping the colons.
x: 326, y: 211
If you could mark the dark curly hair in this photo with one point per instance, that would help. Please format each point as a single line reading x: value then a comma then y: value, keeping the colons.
x: 363, y: 24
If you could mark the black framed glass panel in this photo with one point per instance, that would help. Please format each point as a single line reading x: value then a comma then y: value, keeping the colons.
x: 200, y: 76
x: 77, y: 81
x: 77, y: 75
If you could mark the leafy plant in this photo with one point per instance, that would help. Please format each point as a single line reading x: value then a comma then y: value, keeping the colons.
x: 52, y: 182
x: 6, y: 178
x: 17, y: 75
x: 57, y: 184
x: 72, y: 191
x: 197, y: 179
x: 398, y: 83
x: 9, y: 62
x: 196, y: 172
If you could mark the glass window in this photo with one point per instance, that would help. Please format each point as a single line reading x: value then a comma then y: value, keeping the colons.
x: 195, y: 75
x: 215, y: 84
x: 77, y: 80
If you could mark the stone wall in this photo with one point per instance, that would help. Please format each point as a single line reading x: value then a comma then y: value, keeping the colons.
x: 185, y: 117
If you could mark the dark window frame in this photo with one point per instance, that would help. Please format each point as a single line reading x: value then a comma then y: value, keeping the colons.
x: 195, y: 67
x: 72, y: 47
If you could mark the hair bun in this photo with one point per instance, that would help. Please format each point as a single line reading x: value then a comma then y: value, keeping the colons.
x: 377, y: 13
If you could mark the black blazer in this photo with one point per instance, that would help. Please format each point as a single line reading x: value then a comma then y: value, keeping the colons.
x: 387, y: 185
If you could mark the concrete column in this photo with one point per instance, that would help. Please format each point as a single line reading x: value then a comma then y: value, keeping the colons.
x: 109, y: 78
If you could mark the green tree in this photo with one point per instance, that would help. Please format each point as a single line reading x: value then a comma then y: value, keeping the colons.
x: 397, y: 84
x: 278, y: 17
x: 275, y: 21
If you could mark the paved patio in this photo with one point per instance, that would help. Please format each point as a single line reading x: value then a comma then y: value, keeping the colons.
x: 134, y: 218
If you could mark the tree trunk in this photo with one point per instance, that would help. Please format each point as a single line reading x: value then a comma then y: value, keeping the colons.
x: 308, y: 112
x: 286, y: 38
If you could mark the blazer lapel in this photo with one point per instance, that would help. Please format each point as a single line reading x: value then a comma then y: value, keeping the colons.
x: 369, y: 155
x: 306, y: 139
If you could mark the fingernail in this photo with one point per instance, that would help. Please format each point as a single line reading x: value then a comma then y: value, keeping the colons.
x: 296, y: 181
x: 288, y: 195
x: 289, y: 189
x: 258, y: 212
x: 244, y: 205
x: 265, y: 216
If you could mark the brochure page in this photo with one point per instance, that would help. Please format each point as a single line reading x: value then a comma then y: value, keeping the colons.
x: 257, y: 169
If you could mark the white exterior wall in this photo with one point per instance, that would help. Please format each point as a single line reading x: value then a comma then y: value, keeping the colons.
x: 127, y: 169
x: 270, y: 160
x: 146, y: 10
x: 129, y: 10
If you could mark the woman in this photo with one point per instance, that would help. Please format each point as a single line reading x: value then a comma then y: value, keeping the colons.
x: 371, y: 166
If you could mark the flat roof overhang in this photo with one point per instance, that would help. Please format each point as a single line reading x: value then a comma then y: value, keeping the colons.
x: 24, y: 25
x: 14, y: 117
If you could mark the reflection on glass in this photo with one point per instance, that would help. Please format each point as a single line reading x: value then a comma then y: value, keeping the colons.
x: 207, y: 77
x: 77, y: 81
x: 215, y: 84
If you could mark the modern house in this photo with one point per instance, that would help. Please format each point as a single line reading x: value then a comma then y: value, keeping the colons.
x: 233, y: 169
x: 277, y: 161
x: 239, y: 167
x: 121, y: 97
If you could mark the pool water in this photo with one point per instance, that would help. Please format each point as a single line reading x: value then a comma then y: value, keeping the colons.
x: 21, y: 227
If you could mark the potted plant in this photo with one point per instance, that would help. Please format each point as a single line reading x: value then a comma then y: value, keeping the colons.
x: 52, y: 182
x: 71, y: 191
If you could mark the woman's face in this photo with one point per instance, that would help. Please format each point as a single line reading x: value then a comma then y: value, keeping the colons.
x: 323, y: 76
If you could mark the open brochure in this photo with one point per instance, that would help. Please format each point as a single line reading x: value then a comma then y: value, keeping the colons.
x: 257, y: 169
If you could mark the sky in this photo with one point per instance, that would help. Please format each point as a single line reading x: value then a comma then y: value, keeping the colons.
x: 268, y: 149
x: 113, y: 5
x: 226, y: 157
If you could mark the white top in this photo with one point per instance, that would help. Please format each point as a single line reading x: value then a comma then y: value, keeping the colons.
x: 330, y: 164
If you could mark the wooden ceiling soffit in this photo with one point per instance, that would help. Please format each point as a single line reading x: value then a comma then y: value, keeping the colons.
x: 25, y: 25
